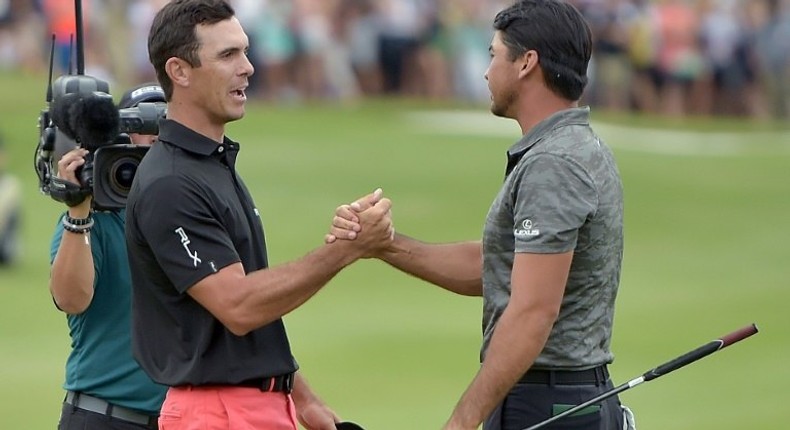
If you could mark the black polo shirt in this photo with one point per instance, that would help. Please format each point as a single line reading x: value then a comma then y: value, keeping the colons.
x: 189, y: 215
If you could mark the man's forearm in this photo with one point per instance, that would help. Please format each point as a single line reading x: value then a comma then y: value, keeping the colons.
x: 302, y: 393
x: 518, y: 339
x: 262, y: 296
x: 311, y: 411
x: 456, y: 267
x: 281, y: 289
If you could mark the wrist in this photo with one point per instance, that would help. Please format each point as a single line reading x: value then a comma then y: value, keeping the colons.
x: 82, y: 210
x: 398, y: 250
x: 347, y: 250
x: 79, y: 213
x: 77, y: 225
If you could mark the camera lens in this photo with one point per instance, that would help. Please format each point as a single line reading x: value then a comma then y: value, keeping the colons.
x: 123, y: 173
x: 114, y: 170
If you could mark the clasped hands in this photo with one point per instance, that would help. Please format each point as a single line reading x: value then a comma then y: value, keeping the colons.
x: 368, y: 220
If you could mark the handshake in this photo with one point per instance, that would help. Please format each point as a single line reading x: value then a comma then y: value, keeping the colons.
x: 367, y: 222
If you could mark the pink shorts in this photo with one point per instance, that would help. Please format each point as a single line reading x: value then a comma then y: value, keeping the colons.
x: 218, y: 407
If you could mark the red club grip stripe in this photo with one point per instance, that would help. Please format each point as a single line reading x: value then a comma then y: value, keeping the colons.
x: 738, y: 335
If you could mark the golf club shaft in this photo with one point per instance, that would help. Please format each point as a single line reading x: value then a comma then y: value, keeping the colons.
x: 677, y: 363
x: 701, y: 352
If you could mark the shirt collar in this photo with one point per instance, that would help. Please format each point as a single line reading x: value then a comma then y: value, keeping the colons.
x: 189, y: 140
x: 186, y: 139
x: 572, y: 116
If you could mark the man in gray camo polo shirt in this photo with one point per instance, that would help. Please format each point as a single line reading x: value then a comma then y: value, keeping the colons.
x: 548, y: 266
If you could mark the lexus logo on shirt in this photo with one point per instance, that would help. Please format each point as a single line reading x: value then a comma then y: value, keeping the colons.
x: 185, y: 242
x: 527, y: 229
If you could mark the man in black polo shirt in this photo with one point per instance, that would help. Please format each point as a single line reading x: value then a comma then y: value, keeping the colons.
x: 206, y: 308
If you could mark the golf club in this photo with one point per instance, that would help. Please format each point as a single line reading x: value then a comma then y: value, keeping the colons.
x: 672, y: 365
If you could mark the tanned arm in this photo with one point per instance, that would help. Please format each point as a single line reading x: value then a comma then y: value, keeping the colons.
x: 259, y: 297
x: 456, y: 267
x: 538, y: 285
x: 72, y: 276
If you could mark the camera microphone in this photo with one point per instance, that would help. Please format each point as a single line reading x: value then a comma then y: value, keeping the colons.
x: 94, y: 120
x: 59, y: 113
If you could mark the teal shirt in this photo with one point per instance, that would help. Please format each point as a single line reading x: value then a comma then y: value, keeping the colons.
x: 101, y: 363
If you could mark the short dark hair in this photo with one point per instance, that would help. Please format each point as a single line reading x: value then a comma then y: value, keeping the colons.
x: 560, y: 35
x: 173, y: 33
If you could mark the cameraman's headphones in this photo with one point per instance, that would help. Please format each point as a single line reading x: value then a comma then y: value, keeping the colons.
x: 145, y: 93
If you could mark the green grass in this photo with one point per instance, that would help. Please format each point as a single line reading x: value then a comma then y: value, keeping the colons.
x: 706, y: 252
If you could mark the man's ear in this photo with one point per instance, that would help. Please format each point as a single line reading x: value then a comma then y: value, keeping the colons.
x: 528, y: 63
x: 179, y: 71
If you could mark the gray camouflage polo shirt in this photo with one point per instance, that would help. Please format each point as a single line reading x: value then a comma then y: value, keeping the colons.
x: 563, y: 194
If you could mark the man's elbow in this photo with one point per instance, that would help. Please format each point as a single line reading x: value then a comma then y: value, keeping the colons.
x: 539, y: 315
x: 234, y: 311
x: 471, y: 288
x: 72, y: 296
x: 72, y: 304
x: 238, y: 329
x: 241, y: 322
x: 545, y: 317
x: 236, y: 323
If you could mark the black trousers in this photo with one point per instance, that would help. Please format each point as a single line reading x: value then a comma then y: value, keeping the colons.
x: 530, y: 404
x: 72, y: 418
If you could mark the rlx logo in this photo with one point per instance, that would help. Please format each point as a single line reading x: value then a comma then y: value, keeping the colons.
x: 185, y: 242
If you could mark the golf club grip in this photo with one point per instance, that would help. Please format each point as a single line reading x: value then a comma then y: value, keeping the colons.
x: 702, y: 351
x: 738, y: 335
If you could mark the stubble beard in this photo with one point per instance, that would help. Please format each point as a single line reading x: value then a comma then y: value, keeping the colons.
x: 502, y: 108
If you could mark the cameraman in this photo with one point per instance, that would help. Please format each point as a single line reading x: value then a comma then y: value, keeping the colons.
x: 90, y: 282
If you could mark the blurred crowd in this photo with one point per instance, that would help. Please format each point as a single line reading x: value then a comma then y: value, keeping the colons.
x: 677, y: 57
x: 671, y: 57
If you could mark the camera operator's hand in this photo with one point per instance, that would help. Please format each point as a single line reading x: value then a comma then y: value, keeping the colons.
x: 67, y: 168
x: 69, y: 163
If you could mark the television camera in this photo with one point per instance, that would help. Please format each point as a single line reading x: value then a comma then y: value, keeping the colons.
x: 81, y: 113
